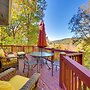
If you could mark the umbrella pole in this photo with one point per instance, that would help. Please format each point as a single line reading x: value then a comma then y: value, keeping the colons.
x: 41, y: 50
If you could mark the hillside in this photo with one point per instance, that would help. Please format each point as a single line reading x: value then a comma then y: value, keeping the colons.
x: 63, y: 41
x: 64, y: 44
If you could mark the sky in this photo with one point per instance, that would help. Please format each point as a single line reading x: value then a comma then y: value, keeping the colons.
x: 57, y: 17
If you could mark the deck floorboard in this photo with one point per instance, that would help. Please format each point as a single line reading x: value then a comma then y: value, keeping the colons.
x: 46, y: 81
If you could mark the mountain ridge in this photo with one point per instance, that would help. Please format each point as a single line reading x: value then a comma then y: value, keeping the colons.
x: 64, y: 41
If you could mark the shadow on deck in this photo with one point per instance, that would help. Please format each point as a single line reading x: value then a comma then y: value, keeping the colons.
x: 46, y: 81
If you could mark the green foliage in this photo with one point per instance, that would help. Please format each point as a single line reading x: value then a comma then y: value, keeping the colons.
x: 86, y: 49
x: 24, y: 26
x: 80, y: 26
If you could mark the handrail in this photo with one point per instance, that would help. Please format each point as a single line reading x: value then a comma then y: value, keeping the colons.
x: 46, y: 48
x: 74, y: 54
x: 73, y: 76
x: 66, y: 51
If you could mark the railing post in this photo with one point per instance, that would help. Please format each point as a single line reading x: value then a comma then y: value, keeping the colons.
x: 12, y: 48
x: 82, y: 57
x: 52, y: 58
x: 32, y: 48
x: 23, y: 48
x: 61, y: 69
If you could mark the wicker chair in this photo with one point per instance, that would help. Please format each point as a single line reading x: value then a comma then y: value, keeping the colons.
x: 10, y: 75
x: 7, y: 61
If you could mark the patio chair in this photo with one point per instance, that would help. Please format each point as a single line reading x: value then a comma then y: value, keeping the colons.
x: 10, y: 81
x: 7, y: 60
x: 29, y: 62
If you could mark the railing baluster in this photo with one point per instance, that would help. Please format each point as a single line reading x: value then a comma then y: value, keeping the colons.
x: 84, y: 87
x: 70, y: 85
x: 72, y: 80
x: 75, y: 81
x: 79, y: 84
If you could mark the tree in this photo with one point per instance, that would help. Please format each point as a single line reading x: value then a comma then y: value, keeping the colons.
x: 80, y: 23
x: 31, y: 15
x: 24, y: 25
x: 80, y: 26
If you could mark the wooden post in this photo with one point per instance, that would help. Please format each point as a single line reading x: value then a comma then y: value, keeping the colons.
x: 61, y: 69
x: 23, y: 48
x: 52, y: 58
x: 82, y: 57
x: 32, y: 48
x: 11, y: 48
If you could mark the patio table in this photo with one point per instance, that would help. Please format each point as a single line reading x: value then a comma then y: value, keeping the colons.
x: 40, y: 55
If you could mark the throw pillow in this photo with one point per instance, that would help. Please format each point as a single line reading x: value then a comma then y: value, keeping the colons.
x: 4, y: 85
x: 2, y: 54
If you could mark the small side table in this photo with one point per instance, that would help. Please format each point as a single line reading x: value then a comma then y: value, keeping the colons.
x: 21, y: 55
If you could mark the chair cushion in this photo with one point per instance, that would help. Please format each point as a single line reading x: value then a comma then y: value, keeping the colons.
x: 11, y: 55
x: 9, y: 62
x: 2, y: 54
x: 18, y: 81
x: 4, y: 85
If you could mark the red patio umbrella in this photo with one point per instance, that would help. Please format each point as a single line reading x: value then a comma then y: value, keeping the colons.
x: 42, y: 36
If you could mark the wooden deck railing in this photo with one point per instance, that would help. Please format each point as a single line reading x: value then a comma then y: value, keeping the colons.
x: 17, y: 48
x: 29, y: 49
x: 73, y: 76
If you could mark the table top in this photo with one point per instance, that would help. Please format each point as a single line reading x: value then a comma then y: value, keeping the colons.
x: 41, y: 54
x: 20, y: 53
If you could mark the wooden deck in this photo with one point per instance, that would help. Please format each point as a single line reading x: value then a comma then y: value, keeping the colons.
x: 46, y: 81
x: 71, y: 64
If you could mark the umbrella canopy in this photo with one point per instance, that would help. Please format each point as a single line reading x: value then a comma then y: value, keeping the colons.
x: 42, y: 35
